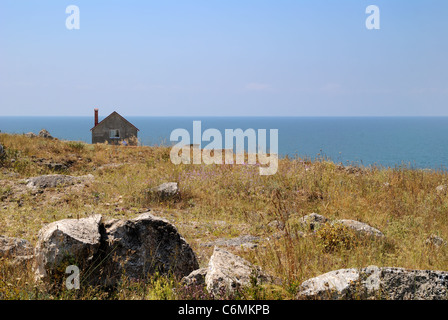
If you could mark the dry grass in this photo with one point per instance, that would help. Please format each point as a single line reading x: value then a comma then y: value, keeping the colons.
x: 227, y: 201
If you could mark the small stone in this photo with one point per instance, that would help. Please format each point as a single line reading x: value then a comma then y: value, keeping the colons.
x: 45, y: 134
x: 57, y: 166
x: 441, y: 189
x: 276, y: 224
x: 56, y: 180
x: 313, y: 221
x: 16, y: 249
x: 361, y: 228
x: 166, y: 190
x: 246, y: 241
x: 436, y: 241
x: 30, y: 135
x: 195, y: 278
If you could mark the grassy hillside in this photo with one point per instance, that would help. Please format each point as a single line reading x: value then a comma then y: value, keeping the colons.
x: 225, y: 201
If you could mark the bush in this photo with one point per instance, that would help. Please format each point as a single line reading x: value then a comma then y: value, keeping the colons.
x: 76, y: 146
x: 334, y: 237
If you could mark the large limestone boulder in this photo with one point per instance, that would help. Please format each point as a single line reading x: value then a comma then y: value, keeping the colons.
x: 227, y: 273
x: 143, y: 246
x: 377, y: 283
x: 104, y: 252
x: 66, y: 242
x: 402, y: 284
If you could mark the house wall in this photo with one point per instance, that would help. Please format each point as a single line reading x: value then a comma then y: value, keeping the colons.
x: 101, y: 133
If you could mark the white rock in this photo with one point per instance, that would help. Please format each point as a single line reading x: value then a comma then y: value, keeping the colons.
x: 227, y: 273
x: 69, y: 241
x: 377, y: 283
x: 361, y: 228
x: 331, y: 285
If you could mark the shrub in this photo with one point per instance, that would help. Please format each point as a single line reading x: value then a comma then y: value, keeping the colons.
x: 76, y: 146
x: 334, y: 237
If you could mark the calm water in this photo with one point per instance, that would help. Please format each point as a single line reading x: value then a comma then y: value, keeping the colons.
x: 415, y: 142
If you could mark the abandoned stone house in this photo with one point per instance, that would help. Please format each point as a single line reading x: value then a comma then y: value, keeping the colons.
x: 114, y: 129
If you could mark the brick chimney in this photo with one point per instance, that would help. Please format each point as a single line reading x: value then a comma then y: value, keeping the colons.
x: 96, y: 117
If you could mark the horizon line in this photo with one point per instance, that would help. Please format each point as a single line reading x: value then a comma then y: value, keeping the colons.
x: 243, y: 116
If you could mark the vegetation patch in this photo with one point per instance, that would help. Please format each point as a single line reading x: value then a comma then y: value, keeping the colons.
x: 223, y: 202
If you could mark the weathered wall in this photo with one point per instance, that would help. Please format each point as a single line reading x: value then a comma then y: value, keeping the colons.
x: 101, y: 132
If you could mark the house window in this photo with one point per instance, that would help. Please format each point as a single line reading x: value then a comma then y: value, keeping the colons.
x: 114, y: 134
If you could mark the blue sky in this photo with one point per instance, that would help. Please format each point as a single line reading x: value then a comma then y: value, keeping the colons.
x: 224, y: 58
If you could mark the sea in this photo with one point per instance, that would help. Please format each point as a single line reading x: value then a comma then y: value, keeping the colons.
x: 412, y: 142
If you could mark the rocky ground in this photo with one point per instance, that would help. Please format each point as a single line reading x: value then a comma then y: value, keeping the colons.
x: 316, y: 230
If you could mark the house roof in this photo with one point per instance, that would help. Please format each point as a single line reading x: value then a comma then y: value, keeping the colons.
x: 114, y: 113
